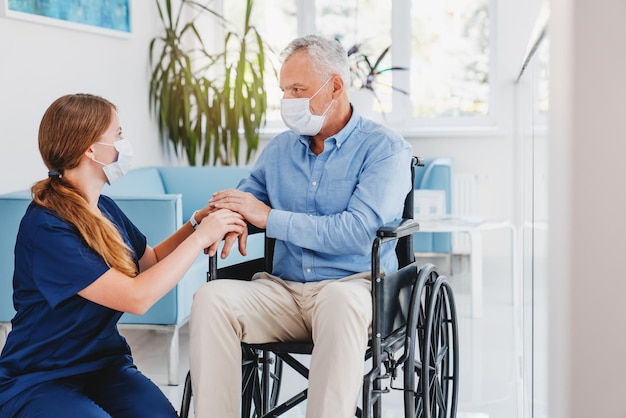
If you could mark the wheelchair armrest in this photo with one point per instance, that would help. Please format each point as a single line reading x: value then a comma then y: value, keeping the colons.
x: 254, y: 229
x: 398, y: 228
x: 243, y: 270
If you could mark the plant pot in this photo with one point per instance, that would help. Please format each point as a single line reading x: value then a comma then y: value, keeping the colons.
x: 364, y: 102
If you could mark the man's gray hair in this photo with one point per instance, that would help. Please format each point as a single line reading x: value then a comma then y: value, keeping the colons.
x: 327, y: 55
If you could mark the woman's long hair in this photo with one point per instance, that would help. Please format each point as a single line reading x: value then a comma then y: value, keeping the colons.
x: 69, y: 127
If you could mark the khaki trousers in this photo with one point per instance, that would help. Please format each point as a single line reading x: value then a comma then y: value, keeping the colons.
x: 335, y: 314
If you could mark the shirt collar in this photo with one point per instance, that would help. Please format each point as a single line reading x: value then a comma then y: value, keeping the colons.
x: 341, y: 136
x: 345, y: 133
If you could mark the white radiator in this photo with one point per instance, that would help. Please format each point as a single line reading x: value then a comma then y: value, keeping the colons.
x: 463, y: 190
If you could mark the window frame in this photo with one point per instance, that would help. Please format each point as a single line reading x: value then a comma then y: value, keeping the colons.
x: 400, y: 119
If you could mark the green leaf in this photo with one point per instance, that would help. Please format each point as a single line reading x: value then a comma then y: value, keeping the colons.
x: 203, y: 119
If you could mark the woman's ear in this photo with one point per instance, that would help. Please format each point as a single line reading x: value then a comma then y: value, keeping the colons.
x: 90, y: 152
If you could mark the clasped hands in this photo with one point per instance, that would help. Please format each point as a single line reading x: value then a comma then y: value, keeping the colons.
x: 252, y: 209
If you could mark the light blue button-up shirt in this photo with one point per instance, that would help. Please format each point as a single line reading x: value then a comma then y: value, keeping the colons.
x: 326, y: 208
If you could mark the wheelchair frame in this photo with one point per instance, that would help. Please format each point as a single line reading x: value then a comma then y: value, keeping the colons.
x: 414, y: 314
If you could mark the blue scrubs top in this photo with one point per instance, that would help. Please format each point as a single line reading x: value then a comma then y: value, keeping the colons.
x: 56, y: 333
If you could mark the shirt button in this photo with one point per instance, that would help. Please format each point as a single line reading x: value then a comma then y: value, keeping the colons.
x: 314, y: 183
x: 308, y: 270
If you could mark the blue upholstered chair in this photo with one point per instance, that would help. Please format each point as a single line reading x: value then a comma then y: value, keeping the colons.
x: 435, y: 175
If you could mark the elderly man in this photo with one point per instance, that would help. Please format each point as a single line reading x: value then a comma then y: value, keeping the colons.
x: 322, y: 189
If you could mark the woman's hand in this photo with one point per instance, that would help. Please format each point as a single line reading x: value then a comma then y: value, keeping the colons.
x: 219, y: 224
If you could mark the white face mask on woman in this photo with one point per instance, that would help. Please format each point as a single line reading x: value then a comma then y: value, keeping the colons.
x: 118, y: 168
x: 296, y: 114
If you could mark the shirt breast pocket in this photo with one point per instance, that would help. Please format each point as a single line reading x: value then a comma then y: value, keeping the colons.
x: 335, y: 196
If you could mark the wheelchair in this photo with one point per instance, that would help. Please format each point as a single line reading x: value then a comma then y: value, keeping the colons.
x: 414, y: 337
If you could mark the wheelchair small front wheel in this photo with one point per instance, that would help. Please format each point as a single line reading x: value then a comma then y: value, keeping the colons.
x: 252, y: 384
x: 259, y: 397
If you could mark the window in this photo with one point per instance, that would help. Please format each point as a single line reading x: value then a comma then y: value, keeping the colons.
x: 442, y: 49
x: 450, y: 58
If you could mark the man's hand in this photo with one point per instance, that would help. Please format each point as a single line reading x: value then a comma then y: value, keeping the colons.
x: 229, y: 240
x: 251, y: 208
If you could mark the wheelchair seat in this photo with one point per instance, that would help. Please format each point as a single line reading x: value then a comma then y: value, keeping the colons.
x: 414, y: 331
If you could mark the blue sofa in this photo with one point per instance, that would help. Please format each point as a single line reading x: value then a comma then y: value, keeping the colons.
x: 435, y: 175
x: 158, y: 200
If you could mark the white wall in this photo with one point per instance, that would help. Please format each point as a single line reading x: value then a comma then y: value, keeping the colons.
x: 39, y: 63
x: 587, y: 207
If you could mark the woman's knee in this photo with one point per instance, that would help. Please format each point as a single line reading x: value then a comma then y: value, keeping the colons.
x: 52, y: 399
x: 128, y: 393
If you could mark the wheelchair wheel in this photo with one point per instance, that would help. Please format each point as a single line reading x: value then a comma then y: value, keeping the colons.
x: 440, y: 359
x: 258, y: 396
x: 431, y: 391
x: 252, y: 384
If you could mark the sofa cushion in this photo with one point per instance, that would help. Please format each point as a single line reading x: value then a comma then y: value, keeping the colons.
x: 197, y: 184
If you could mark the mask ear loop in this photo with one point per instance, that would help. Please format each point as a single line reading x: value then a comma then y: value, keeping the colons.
x: 108, y: 145
x: 328, y: 108
x: 321, y: 87
x: 96, y: 161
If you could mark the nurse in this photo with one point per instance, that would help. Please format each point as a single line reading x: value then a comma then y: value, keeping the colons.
x: 79, y: 264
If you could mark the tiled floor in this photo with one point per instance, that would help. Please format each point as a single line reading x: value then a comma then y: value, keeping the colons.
x: 489, y: 362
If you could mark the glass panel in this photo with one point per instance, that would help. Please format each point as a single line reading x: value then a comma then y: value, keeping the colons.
x: 276, y: 22
x: 450, y: 58
x: 449, y: 51
x: 364, y: 29
x: 540, y: 235
x: 533, y: 108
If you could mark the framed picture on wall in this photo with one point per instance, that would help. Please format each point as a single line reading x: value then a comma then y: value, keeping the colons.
x: 109, y: 17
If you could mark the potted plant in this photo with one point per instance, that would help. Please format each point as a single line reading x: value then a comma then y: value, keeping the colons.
x: 243, y: 97
x: 204, y: 101
x: 365, y: 72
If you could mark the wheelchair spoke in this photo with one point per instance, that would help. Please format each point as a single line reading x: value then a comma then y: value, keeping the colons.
x: 419, y: 407
x: 440, y: 398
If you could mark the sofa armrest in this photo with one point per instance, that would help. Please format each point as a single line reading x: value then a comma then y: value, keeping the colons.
x: 158, y: 217
x: 12, y: 209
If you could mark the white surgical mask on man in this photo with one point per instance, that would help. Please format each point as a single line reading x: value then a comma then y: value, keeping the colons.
x: 296, y: 114
x: 118, y: 168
